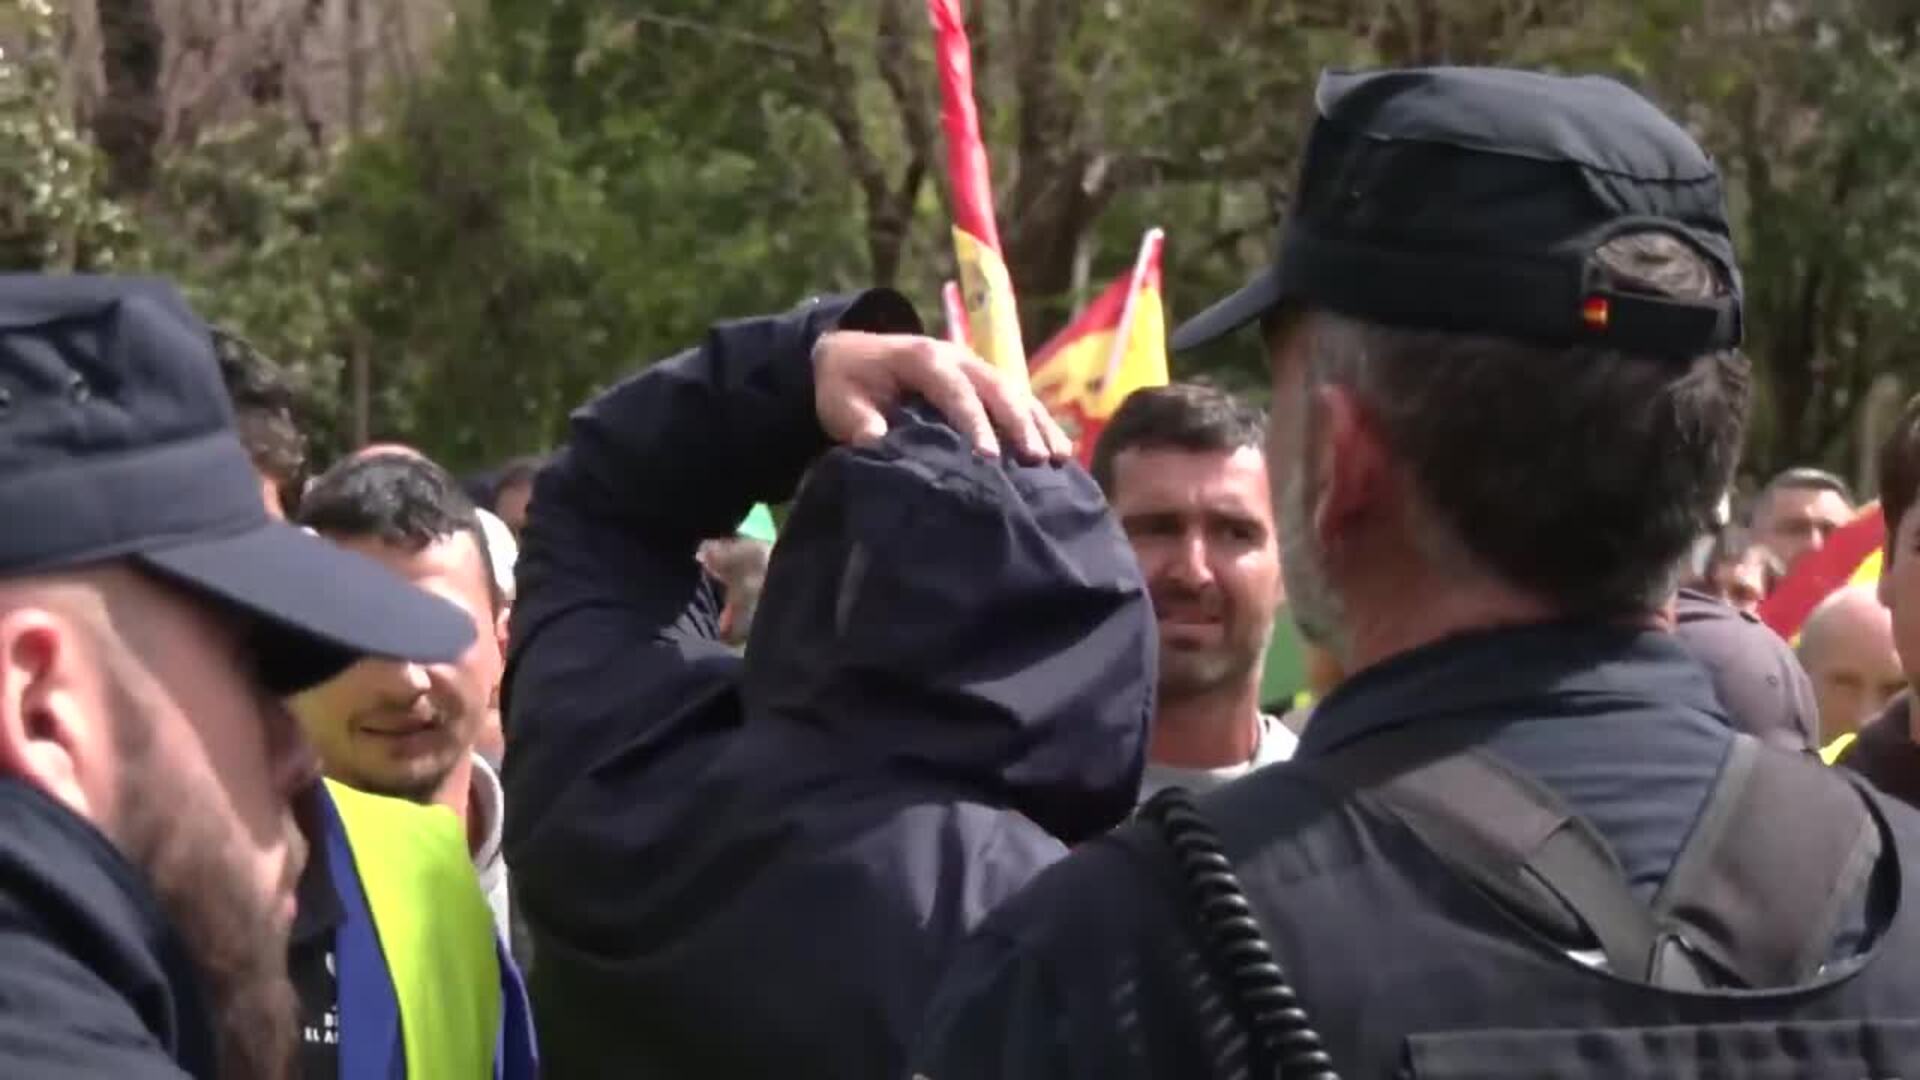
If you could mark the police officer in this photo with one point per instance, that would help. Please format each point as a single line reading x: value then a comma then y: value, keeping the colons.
x: 152, y: 615
x: 1521, y: 839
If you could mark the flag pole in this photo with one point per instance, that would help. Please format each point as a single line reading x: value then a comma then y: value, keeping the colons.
x: 994, y: 322
x: 1143, y: 264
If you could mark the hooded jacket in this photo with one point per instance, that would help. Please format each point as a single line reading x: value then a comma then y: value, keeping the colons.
x: 757, y: 868
x: 93, y: 980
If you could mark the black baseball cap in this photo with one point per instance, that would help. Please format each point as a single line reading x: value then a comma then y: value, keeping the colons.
x: 117, y: 442
x: 1472, y: 200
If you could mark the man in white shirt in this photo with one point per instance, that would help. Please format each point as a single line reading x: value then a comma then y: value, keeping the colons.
x: 1186, y: 473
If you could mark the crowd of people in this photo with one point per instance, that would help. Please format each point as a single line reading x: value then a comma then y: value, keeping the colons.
x: 581, y: 768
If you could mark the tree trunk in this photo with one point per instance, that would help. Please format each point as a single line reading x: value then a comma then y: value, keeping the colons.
x: 1057, y: 194
x: 129, y: 121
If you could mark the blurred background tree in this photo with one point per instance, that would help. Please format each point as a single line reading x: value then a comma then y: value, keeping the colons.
x: 453, y: 219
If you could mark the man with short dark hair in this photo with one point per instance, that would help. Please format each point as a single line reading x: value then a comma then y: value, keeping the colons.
x: 151, y: 616
x: 408, y: 730
x: 1185, y: 472
x: 1502, y: 324
x: 419, y: 811
x: 1797, y: 510
x: 263, y: 413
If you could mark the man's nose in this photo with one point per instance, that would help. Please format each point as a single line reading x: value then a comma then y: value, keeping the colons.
x: 1190, y: 565
x: 400, y: 679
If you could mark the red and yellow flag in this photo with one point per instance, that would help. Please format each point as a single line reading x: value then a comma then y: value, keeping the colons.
x: 993, y: 320
x: 1116, y: 346
x: 1851, y: 556
x: 953, y: 305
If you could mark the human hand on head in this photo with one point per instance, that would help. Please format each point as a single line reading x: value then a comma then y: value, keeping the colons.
x: 858, y: 377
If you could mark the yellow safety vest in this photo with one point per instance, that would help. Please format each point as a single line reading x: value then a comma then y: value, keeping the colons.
x: 435, y: 929
x: 1831, y: 753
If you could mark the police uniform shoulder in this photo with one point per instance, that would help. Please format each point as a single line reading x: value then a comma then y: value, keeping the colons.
x: 1285, y: 788
x: 1242, y: 815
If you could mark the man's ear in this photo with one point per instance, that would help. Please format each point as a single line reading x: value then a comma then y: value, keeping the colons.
x: 47, y: 737
x: 1350, y: 466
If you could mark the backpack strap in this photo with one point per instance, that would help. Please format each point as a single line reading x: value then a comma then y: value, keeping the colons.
x: 1511, y: 837
x: 1775, y: 857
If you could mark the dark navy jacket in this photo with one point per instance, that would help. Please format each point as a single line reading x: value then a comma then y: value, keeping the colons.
x: 758, y: 868
x: 93, y: 981
x: 1092, y: 972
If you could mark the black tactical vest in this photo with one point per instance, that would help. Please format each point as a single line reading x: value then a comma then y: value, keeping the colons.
x: 1412, y: 961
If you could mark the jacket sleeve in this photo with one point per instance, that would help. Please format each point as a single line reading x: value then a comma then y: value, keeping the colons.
x: 64, y: 1021
x: 1087, y: 974
x: 998, y: 1012
x: 614, y: 623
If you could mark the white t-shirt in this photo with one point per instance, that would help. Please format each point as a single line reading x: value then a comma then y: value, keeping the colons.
x: 1277, y: 743
x: 487, y: 802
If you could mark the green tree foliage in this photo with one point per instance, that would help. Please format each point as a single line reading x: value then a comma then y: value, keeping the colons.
x: 527, y: 227
x: 54, y: 211
x: 566, y: 188
x: 238, y: 219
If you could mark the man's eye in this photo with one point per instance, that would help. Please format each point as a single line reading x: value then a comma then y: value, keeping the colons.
x: 1152, y: 528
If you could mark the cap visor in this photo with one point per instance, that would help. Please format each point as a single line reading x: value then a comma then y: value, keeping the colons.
x: 1253, y: 300
x: 320, y: 607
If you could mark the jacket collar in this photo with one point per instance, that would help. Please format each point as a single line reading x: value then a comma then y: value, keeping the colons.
x: 57, y: 870
x: 1514, y: 672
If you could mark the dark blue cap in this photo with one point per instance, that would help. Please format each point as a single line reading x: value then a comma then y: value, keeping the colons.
x: 117, y: 442
x: 1472, y: 200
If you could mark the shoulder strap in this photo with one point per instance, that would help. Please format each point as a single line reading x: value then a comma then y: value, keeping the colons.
x: 1778, y: 853
x: 1513, y: 838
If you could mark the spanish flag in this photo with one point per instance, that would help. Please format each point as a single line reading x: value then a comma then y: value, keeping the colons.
x: 993, y: 321
x: 1851, y: 556
x: 1116, y: 346
x: 953, y: 305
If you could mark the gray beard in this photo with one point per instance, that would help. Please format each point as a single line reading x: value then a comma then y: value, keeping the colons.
x: 1312, y: 602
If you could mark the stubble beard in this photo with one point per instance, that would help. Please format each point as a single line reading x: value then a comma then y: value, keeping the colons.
x: 1184, y: 677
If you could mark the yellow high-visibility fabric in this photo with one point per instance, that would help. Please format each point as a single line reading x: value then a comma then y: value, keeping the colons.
x: 1831, y: 753
x: 435, y: 929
